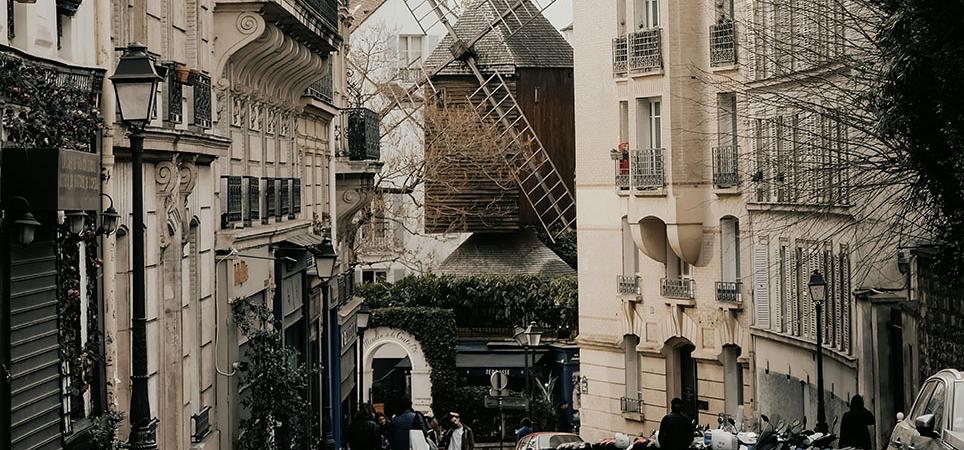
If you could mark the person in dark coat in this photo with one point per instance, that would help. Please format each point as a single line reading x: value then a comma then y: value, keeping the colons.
x: 363, y: 433
x: 525, y: 429
x: 675, y: 430
x: 405, y: 421
x: 853, y: 425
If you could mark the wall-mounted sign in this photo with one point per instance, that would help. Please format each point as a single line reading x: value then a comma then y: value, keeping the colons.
x: 240, y: 272
x: 248, y: 276
x: 78, y: 181
x: 52, y: 179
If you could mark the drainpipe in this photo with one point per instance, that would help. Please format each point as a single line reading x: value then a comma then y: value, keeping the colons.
x: 105, y: 59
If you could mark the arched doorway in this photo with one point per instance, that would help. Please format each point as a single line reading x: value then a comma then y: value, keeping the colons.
x: 681, y: 374
x: 395, y: 366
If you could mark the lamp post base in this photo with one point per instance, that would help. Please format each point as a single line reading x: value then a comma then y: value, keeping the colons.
x: 144, y: 437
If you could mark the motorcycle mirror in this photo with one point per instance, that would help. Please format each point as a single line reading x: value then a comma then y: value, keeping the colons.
x: 732, y: 422
x: 900, y: 417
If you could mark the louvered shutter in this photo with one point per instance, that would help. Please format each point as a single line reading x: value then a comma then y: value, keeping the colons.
x: 784, y: 310
x: 761, y: 284
x: 797, y: 296
x: 847, y: 298
x: 773, y: 159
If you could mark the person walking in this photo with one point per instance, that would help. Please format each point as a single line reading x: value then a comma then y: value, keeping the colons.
x: 363, y: 433
x: 406, y: 420
x: 563, y: 423
x: 853, y: 425
x: 525, y: 429
x: 459, y: 436
x: 383, y: 429
x: 676, y: 429
x: 434, y: 430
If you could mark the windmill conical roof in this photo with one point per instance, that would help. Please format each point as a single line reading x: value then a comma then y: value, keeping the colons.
x: 536, y: 45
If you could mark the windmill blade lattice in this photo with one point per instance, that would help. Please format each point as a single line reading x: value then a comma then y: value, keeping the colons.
x: 533, y: 170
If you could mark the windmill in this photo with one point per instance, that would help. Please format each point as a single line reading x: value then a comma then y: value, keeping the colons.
x: 533, y: 171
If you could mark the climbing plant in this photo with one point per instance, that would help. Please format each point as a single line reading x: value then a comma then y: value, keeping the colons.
x: 485, y: 301
x: 434, y: 329
x: 279, y: 412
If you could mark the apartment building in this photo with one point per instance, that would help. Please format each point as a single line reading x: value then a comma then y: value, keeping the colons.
x: 661, y: 224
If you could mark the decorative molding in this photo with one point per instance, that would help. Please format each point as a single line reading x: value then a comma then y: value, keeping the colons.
x: 166, y: 176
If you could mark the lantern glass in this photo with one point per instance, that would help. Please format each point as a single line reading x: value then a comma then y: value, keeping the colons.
x: 26, y: 228
x: 108, y: 220
x: 818, y: 287
x: 135, y: 100
x: 76, y: 221
x: 364, y: 313
x: 533, y: 338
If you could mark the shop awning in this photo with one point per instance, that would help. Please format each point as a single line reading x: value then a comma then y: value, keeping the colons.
x: 494, y: 360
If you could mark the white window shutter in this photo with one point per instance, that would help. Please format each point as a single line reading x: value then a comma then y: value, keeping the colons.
x: 761, y: 283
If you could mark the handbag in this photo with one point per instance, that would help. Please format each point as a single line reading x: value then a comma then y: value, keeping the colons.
x: 416, y: 438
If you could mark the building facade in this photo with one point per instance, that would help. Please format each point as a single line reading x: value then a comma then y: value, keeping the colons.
x: 662, y: 298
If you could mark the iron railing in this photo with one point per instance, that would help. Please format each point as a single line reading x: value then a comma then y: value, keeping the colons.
x: 646, y: 167
x: 728, y: 291
x: 722, y: 43
x: 631, y: 404
x: 327, y: 10
x: 620, y: 55
x: 364, y: 135
x: 409, y: 74
x: 680, y: 288
x: 324, y: 87
x: 645, y: 51
x: 202, y: 101
x: 622, y: 170
x: 627, y: 284
x: 726, y: 163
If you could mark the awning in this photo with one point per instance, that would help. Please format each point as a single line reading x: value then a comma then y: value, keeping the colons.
x: 314, y: 243
x: 495, y: 360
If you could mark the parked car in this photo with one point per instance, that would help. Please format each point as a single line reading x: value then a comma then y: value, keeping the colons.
x: 546, y: 440
x: 936, y: 421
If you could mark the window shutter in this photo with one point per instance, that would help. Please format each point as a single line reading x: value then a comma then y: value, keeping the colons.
x: 761, y: 283
x: 846, y: 299
x: 795, y: 294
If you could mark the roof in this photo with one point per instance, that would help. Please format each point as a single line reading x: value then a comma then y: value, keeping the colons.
x: 536, y: 45
x: 513, y: 253
x: 362, y: 9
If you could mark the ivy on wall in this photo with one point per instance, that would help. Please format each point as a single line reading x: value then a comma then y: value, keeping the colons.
x: 434, y: 329
x: 484, y: 300
x: 51, y: 107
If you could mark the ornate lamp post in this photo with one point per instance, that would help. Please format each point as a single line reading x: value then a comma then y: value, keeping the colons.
x: 818, y: 292
x: 135, y: 84
x: 361, y: 317
x: 528, y: 338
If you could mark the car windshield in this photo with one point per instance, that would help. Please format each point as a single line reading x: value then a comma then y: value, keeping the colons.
x: 957, y: 421
x: 559, y: 439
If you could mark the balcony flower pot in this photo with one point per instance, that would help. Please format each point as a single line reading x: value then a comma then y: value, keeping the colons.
x: 183, y: 73
x: 193, y: 76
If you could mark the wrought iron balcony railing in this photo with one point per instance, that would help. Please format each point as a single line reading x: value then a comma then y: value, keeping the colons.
x: 322, y: 88
x: 627, y: 284
x: 726, y: 163
x: 620, y: 55
x: 646, y: 167
x: 679, y: 288
x: 728, y: 291
x: 327, y: 10
x: 364, y: 135
x: 622, y: 171
x: 645, y: 51
x: 631, y: 404
x: 722, y: 43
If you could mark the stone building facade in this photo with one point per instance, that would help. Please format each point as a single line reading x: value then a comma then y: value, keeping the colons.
x: 663, y: 298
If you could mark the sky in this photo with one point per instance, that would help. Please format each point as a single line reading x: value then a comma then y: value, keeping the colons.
x: 560, y: 13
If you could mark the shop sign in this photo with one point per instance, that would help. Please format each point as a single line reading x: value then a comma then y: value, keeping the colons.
x: 52, y: 179
x: 248, y: 276
x: 78, y: 181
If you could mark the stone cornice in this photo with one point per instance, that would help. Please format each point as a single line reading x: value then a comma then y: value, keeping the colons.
x: 159, y: 143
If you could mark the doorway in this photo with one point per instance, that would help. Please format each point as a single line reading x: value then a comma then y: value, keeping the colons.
x: 688, y: 383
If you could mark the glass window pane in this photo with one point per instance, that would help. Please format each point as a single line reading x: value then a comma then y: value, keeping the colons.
x: 936, y: 407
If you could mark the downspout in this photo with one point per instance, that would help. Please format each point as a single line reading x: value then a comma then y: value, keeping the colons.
x: 105, y: 59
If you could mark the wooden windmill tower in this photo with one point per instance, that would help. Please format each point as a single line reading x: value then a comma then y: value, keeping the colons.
x: 507, y: 66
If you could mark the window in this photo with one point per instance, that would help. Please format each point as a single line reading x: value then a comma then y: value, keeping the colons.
x: 724, y: 10
x: 922, y: 400
x: 202, y: 101
x: 409, y: 56
x: 647, y: 14
x: 936, y: 407
x: 726, y: 119
x: 675, y: 266
x: 632, y: 370
x: 374, y: 276
x: 630, y: 253
x: 957, y: 418
x: 231, y: 203
x: 730, y: 249
x: 652, y: 128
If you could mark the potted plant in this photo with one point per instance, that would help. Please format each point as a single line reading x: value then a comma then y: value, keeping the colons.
x: 182, y: 72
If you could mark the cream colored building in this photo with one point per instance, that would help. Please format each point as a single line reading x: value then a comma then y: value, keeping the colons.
x: 664, y: 300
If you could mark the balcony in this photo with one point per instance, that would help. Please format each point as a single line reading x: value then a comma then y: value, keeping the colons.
x: 627, y: 284
x: 326, y: 10
x: 620, y: 56
x: 631, y: 405
x: 409, y: 74
x: 645, y: 51
x: 726, y: 161
x: 728, y: 291
x: 322, y: 88
x: 621, y: 163
x: 364, y: 135
x: 722, y: 43
x: 646, y: 168
x: 678, y: 288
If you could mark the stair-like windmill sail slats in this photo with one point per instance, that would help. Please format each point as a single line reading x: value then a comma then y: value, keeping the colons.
x: 537, y: 176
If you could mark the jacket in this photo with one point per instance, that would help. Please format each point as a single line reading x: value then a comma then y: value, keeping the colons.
x: 401, y: 425
x: 468, y: 439
x: 675, y: 432
x: 363, y: 434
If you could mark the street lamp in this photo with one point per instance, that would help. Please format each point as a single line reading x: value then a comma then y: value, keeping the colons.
x: 528, y: 338
x: 135, y: 85
x: 108, y: 218
x: 75, y: 221
x: 818, y: 292
x: 26, y: 225
x: 361, y: 320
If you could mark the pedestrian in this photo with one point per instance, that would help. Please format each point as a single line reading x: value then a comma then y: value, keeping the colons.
x: 525, y: 429
x: 675, y: 430
x: 562, y: 418
x: 459, y: 436
x: 363, y: 433
x: 383, y: 429
x: 853, y: 425
x: 404, y: 422
x: 434, y: 430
